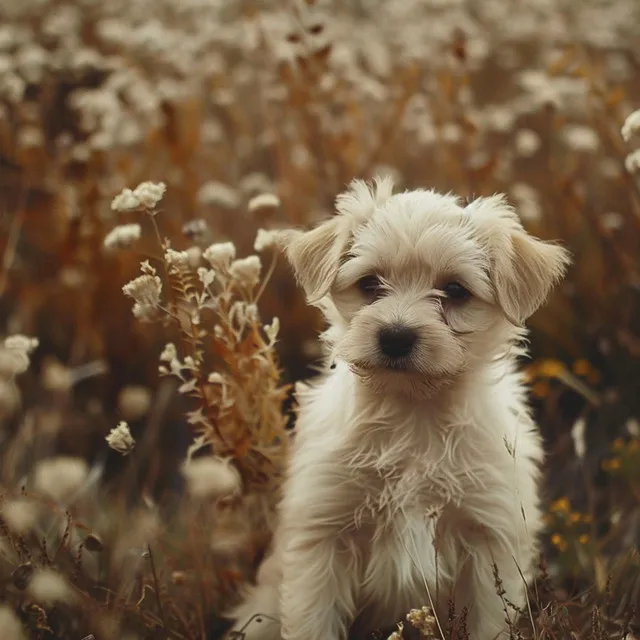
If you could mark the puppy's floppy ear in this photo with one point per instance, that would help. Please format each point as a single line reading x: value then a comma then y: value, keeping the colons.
x: 523, y: 268
x: 315, y: 255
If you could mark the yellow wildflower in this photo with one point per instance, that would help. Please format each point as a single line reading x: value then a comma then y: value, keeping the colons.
x: 550, y: 368
x: 581, y: 367
x: 613, y: 464
x: 583, y: 539
x: 559, y: 542
x: 562, y: 505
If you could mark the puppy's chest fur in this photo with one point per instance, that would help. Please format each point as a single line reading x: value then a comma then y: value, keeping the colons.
x: 415, y: 477
x: 412, y: 517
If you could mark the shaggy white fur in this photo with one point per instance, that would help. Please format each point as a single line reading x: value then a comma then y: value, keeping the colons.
x: 415, y: 468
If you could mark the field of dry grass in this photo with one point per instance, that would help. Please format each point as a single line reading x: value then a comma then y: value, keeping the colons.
x: 149, y: 341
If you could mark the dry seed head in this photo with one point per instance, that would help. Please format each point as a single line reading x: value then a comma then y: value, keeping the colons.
x: 48, y: 587
x: 134, y: 402
x: 632, y: 162
x: 21, y: 343
x: 218, y: 194
x: 145, y: 291
x: 210, y: 477
x: 176, y: 258
x: 263, y: 201
x: 631, y: 126
x: 55, y: 376
x: 206, y: 276
x: 13, y: 362
x: 246, y: 271
x: 122, y: 237
x: 264, y: 240
x: 146, y: 195
x: 120, y: 439
x: 20, y: 515
x: 580, y: 138
x: 60, y: 477
x: 220, y: 255
x: 527, y: 142
x: 125, y: 201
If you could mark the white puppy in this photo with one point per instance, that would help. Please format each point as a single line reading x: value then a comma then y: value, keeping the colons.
x: 415, y: 466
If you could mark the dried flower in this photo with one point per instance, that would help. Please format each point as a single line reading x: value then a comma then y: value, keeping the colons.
x: 176, y: 258
x: 264, y: 201
x: 272, y: 330
x: 150, y: 193
x: 14, y: 357
x: 134, y: 402
x: 122, y: 237
x: 55, y: 376
x: 209, y: 477
x: 20, y: 515
x: 146, y: 195
x: 48, y: 587
x: 246, y: 271
x: 632, y: 162
x: 145, y: 290
x: 126, y: 200
x: 527, y: 201
x: 206, y: 276
x: 580, y: 138
x: 18, y: 342
x: 527, y: 142
x: 120, y: 439
x: 631, y: 126
x: 218, y: 194
x: 264, y: 240
x: 220, y: 255
x: 60, y: 477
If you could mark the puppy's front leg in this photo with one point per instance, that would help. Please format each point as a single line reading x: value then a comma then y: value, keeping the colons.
x: 318, y: 587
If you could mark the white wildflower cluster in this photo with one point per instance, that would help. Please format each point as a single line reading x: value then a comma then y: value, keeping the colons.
x: 120, y: 439
x: 631, y: 126
x: 209, y: 477
x: 122, y: 237
x: 145, y: 291
x: 15, y: 357
x: 145, y: 196
x: 263, y: 201
x: 631, y: 131
x: 219, y: 195
x: 60, y: 478
x: 264, y: 240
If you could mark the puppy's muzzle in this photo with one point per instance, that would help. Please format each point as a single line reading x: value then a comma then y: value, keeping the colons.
x: 396, y: 341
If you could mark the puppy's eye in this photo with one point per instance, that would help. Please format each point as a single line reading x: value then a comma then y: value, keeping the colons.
x: 370, y: 286
x: 455, y: 291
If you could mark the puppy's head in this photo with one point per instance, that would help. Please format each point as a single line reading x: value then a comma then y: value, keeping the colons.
x: 419, y: 288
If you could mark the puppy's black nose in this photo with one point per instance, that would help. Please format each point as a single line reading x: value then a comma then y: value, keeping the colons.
x: 396, y: 341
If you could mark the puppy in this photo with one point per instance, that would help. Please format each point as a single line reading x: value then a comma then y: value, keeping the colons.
x: 414, y: 474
